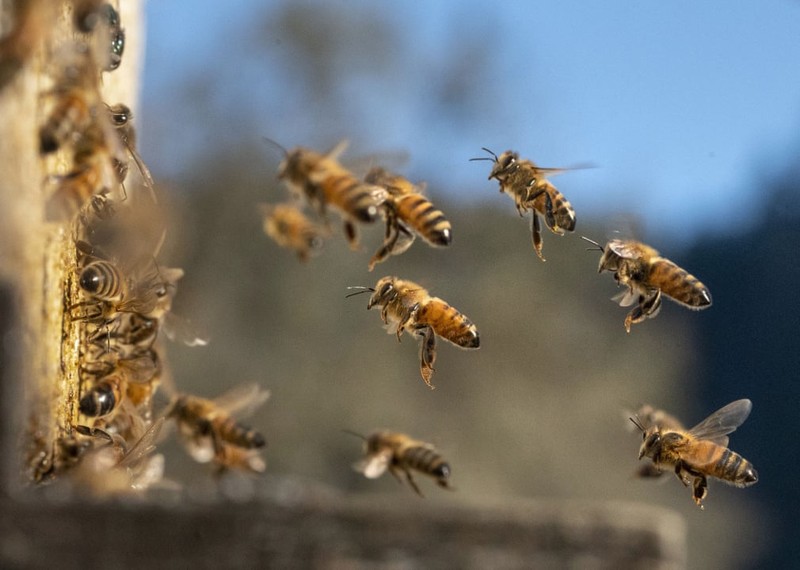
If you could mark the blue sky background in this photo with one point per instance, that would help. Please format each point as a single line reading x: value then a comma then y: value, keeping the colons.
x: 688, y: 109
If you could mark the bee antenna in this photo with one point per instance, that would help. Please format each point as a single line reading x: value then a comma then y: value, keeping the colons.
x: 361, y: 290
x: 354, y: 433
x: 493, y: 159
x: 275, y: 144
x: 597, y: 246
x: 638, y: 423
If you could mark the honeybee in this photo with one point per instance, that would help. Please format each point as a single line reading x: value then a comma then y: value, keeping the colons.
x: 33, y: 20
x: 120, y: 116
x: 290, y: 228
x: 112, y: 468
x: 407, y: 212
x: 87, y: 15
x: 210, y: 432
x: 104, y: 397
x: 528, y: 185
x: 649, y: 416
x: 138, y: 292
x: 702, y: 451
x: 399, y: 453
x: 406, y: 306
x: 324, y: 182
x: 647, y: 275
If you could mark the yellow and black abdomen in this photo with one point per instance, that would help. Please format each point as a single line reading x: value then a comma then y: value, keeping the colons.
x: 101, y: 280
x: 103, y: 398
x: 232, y: 432
x: 423, y: 217
x: 350, y: 195
x: 427, y: 461
x: 563, y: 212
x: 449, y: 323
x: 734, y: 469
x: 678, y: 284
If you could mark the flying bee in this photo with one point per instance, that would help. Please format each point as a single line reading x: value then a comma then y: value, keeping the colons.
x: 323, y: 181
x: 528, y: 185
x: 702, y: 451
x: 209, y: 430
x: 290, y: 228
x: 649, y: 416
x: 647, y: 275
x: 407, y: 213
x: 400, y: 454
x: 406, y: 306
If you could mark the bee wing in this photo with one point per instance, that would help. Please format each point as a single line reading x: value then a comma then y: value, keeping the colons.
x: 338, y: 149
x: 144, y: 446
x: 718, y: 425
x: 373, y: 466
x: 242, y: 400
x: 179, y: 329
x: 625, y: 298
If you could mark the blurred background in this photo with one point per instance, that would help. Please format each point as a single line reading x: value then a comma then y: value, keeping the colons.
x: 691, y: 114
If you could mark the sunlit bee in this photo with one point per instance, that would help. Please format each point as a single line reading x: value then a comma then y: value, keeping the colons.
x: 70, y: 115
x: 139, y: 291
x: 408, y: 213
x: 528, y: 185
x: 647, y: 275
x: 400, y: 454
x: 104, y: 397
x: 702, y: 451
x: 208, y: 427
x: 324, y: 182
x: 120, y: 116
x: 407, y: 306
x: 290, y: 228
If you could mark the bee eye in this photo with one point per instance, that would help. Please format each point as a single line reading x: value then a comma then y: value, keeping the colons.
x: 386, y: 289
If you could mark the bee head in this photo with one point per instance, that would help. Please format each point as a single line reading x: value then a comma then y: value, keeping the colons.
x: 384, y: 292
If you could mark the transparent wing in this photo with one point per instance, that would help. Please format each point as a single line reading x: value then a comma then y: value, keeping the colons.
x: 144, y: 446
x: 718, y: 425
x: 625, y: 298
x: 242, y: 400
x: 373, y: 466
x: 180, y: 329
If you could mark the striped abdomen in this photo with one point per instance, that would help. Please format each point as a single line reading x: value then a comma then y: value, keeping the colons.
x: 449, y: 323
x: 230, y: 431
x: 350, y: 195
x: 70, y: 116
x: 678, y: 284
x: 419, y: 213
x: 724, y: 464
x: 425, y: 460
x: 563, y: 213
x: 101, y: 280
x: 103, y: 398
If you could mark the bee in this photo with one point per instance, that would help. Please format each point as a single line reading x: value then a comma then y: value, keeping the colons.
x: 113, y: 291
x: 88, y: 15
x: 33, y: 21
x: 528, y: 185
x: 120, y: 116
x: 406, y: 306
x: 647, y: 275
x: 290, y: 228
x: 649, y: 416
x: 702, y: 451
x: 210, y: 432
x: 401, y: 454
x: 104, y: 397
x: 324, y: 182
x: 408, y: 213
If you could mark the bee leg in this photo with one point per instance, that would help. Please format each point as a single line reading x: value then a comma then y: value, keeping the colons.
x: 427, y: 354
x: 536, y: 235
x: 408, y: 317
x: 412, y: 483
x: 351, y: 233
x: 647, y: 309
x: 392, y: 233
x: 699, y: 489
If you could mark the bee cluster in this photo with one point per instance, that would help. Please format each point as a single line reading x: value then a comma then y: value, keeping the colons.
x: 118, y: 297
x: 321, y: 181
